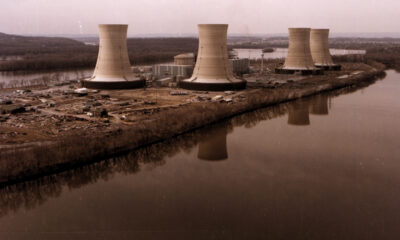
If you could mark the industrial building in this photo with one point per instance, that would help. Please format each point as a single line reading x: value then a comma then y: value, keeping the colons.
x: 212, y: 71
x: 113, y: 69
x: 319, y: 45
x: 299, y: 57
x: 184, y: 64
x: 240, y: 65
x: 171, y: 70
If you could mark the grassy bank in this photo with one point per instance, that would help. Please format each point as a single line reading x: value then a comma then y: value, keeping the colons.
x: 74, y: 151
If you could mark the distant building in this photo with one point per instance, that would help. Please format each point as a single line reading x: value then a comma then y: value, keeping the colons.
x: 184, y: 59
x: 171, y: 70
x: 240, y: 65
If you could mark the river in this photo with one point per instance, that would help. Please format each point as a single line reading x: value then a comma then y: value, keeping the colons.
x: 282, y: 53
x: 323, y: 167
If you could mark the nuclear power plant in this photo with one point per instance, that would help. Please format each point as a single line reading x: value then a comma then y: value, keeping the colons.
x: 213, y: 71
x: 299, y: 57
x: 113, y: 69
x: 319, y: 45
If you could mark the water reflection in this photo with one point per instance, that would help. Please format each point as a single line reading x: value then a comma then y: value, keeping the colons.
x: 319, y: 105
x: 298, y: 113
x: 213, y: 147
x: 271, y: 187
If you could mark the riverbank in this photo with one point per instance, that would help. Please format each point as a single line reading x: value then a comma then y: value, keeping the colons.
x: 138, y: 118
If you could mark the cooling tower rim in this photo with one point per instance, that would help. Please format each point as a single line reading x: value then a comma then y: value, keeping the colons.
x: 113, y: 84
x: 212, y: 25
x: 299, y: 29
x: 113, y: 25
x: 213, y: 86
x: 319, y: 29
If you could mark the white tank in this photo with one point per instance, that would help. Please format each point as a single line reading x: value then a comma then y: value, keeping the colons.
x: 113, y: 69
x: 299, y: 53
x: 184, y: 59
x: 213, y: 70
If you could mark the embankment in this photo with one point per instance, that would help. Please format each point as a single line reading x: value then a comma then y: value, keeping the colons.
x: 89, y: 147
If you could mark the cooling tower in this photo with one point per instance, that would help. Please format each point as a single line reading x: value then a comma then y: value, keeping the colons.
x: 319, y: 46
x: 299, y: 57
x: 113, y: 69
x: 319, y: 105
x: 298, y: 113
x: 213, y: 71
x: 214, y: 147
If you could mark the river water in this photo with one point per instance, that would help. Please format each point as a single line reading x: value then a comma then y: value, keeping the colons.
x: 324, y: 167
x: 282, y: 53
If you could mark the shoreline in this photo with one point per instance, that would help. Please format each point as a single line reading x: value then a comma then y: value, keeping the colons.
x: 71, y: 152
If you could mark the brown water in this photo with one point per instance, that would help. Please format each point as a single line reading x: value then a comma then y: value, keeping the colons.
x: 325, y: 167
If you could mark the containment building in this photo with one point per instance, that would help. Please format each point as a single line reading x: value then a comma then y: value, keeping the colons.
x: 299, y: 57
x: 213, y: 71
x: 113, y: 69
x: 319, y: 45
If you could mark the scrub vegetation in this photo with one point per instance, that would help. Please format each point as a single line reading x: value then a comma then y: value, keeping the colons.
x: 19, y: 53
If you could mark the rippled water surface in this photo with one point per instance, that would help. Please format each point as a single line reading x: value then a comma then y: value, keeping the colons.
x: 324, y: 167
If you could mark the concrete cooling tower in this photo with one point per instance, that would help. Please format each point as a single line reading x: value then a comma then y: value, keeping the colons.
x: 113, y: 69
x: 299, y: 57
x: 213, y: 71
x: 319, y: 45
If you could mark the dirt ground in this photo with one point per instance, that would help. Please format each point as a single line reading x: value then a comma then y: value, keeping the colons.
x: 38, y: 114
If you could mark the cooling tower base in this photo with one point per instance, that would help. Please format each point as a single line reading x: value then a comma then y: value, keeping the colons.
x: 335, y: 67
x: 299, y: 71
x: 113, y: 85
x: 212, y: 86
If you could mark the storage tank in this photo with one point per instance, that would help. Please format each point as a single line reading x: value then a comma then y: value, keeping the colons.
x: 299, y: 57
x: 213, y: 71
x: 319, y: 45
x: 113, y: 69
x: 184, y: 59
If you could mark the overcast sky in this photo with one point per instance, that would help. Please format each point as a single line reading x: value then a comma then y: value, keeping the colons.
x: 181, y: 16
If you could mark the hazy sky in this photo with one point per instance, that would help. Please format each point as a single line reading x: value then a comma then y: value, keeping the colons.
x: 181, y: 16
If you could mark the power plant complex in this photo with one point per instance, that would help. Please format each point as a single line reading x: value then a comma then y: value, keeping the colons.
x: 211, y: 70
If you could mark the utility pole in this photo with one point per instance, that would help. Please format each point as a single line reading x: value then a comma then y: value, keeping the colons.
x: 262, y: 63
